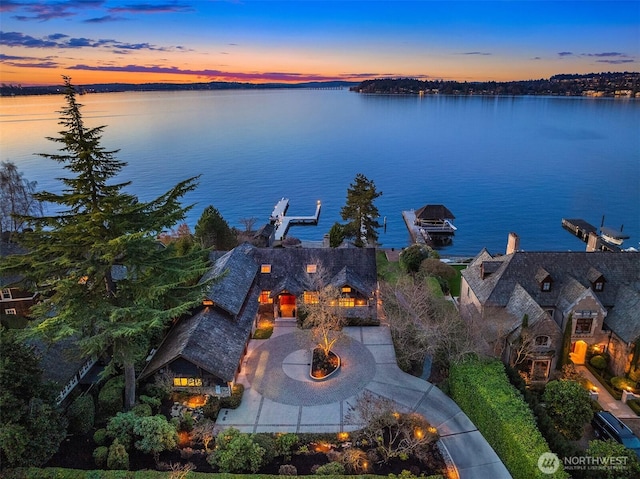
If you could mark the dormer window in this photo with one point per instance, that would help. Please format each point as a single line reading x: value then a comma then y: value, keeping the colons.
x: 596, y: 278
x: 543, y: 340
x: 6, y: 294
x: 346, y: 289
x: 544, y: 279
x: 312, y: 268
x: 265, y: 268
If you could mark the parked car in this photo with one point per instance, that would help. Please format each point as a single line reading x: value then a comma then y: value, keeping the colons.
x: 607, y: 426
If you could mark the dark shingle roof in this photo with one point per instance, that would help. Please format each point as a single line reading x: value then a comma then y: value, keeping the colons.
x: 210, y: 339
x: 434, y: 212
x: 347, y: 277
x: 60, y: 361
x: 564, y: 267
x: 359, y: 265
x: 232, y: 276
x: 624, y: 318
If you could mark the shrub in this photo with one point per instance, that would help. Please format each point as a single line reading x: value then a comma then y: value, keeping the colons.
x: 81, y: 414
x: 152, y: 401
x: 288, y: 470
x: 269, y: 444
x: 155, y: 434
x: 142, y: 410
x: 285, y: 443
x: 118, y: 457
x: 211, y: 408
x: 236, y: 452
x: 411, y: 257
x: 186, y: 422
x: 100, y: 437
x: 111, y: 397
x: 100, y: 454
x: 569, y: 404
x: 233, y: 401
x: 120, y: 427
x: 598, y: 362
x: 622, y: 383
x: 634, y: 404
x: 498, y: 410
x: 330, y: 469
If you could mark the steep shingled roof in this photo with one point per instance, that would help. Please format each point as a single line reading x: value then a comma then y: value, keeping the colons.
x: 624, y: 318
x: 232, y: 275
x: 521, y: 268
x: 209, y: 339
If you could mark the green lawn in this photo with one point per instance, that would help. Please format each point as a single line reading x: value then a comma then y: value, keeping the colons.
x: 454, y: 284
x: 387, y: 271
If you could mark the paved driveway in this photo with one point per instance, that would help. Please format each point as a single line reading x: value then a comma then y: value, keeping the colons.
x: 281, y: 397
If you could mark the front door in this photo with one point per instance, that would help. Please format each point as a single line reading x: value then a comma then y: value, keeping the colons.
x: 286, y: 305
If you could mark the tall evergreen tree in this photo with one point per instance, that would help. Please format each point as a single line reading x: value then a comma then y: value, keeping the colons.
x: 105, y: 278
x: 361, y: 212
x: 212, y: 231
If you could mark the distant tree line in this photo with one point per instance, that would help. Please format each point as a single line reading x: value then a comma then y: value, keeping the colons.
x: 566, y: 85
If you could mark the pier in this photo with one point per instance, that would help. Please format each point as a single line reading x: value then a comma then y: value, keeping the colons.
x: 607, y: 239
x: 430, y: 225
x: 282, y: 222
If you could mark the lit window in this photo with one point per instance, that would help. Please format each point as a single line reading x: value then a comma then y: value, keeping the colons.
x: 347, y: 302
x: 187, y: 382
x: 264, y: 298
x: 346, y: 289
x: 10, y: 311
x: 6, y: 294
x: 265, y: 268
x: 312, y: 268
x: 361, y: 302
x: 310, y: 297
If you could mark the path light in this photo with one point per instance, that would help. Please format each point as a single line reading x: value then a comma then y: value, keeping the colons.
x: 343, y: 436
x: 418, y: 433
x: 432, y: 430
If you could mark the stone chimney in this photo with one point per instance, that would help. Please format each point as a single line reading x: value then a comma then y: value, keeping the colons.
x: 513, y: 243
x: 592, y: 242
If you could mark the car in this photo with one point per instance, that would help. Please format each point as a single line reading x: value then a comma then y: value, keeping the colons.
x: 607, y: 426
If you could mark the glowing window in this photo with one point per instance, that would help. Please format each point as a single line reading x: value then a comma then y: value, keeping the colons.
x: 346, y: 289
x: 6, y: 294
x: 264, y: 298
x: 312, y: 268
x: 347, y: 302
x: 311, y: 297
x: 187, y: 382
x: 265, y: 268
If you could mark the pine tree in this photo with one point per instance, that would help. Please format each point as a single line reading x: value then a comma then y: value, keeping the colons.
x: 212, y: 231
x: 361, y: 212
x: 104, y: 277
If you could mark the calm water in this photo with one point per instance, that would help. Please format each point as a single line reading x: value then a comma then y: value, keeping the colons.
x: 499, y: 164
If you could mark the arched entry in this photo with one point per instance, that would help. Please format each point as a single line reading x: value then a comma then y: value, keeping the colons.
x: 578, y: 352
x: 286, y: 305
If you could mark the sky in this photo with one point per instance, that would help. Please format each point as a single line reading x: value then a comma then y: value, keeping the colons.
x: 187, y: 41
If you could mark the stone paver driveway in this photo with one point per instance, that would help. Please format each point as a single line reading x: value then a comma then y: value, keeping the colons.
x: 281, y: 397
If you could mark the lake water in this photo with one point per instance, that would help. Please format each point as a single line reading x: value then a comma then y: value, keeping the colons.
x: 500, y: 164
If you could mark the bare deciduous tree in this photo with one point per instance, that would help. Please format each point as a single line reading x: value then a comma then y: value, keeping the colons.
x: 392, y: 432
x: 424, y: 324
x: 16, y: 198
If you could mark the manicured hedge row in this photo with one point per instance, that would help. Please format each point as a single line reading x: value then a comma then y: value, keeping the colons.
x: 60, y: 473
x: 617, y: 394
x: 498, y: 410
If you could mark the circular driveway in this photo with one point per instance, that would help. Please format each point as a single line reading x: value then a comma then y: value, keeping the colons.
x: 279, y: 370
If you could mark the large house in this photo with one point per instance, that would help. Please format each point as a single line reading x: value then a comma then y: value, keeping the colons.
x: 529, y: 298
x: 206, y: 349
x: 14, y: 301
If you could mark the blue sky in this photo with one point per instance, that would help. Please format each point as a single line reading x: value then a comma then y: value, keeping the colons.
x: 263, y: 41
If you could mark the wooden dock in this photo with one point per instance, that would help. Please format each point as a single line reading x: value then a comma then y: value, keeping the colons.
x: 414, y: 230
x: 282, y: 222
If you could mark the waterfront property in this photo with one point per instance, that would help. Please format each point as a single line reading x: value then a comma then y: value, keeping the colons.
x: 248, y: 284
x: 531, y: 297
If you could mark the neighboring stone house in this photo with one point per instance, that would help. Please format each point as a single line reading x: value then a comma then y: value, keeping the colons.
x: 206, y: 349
x: 598, y: 291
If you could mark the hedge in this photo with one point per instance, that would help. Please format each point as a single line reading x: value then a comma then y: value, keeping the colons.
x: 483, y: 392
x: 60, y: 473
x: 617, y: 394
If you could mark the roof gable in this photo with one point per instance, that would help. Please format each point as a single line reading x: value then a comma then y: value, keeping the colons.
x: 232, y: 276
x: 624, y: 319
x: 434, y: 212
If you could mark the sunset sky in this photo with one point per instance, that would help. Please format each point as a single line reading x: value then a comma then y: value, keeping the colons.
x: 184, y: 41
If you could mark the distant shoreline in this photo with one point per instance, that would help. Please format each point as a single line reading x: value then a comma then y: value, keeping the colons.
x: 606, y: 84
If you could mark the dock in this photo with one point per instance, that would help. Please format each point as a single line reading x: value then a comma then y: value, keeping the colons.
x: 579, y: 228
x: 282, y: 222
x: 414, y: 230
x: 601, y: 240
